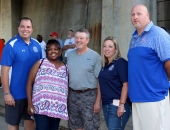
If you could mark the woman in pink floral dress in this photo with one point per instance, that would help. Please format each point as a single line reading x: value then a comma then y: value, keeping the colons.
x: 47, y: 89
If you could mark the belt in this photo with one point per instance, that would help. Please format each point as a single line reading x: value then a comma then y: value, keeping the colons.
x: 82, y: 91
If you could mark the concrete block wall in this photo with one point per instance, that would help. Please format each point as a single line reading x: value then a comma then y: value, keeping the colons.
x: 101, y: 17
x: 5, y: 19
x: 163, y: 13
x: 116, y: 20
x: 53, y: 15
x: 16, y: 6
x: 63, y: 15
x: 10, y: 13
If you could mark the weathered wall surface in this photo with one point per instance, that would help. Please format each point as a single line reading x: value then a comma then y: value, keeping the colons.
x: 101, y: 17
x: 163, y: 8
x: 116, y: 23
x: 63, y: 15
x: 5, y: 19
x: 116, y: 20
x: 10, y: 13
x: 16, y: 6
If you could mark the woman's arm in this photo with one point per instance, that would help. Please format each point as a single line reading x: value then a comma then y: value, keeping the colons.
x: 30, y: 82
x: 123, y: 99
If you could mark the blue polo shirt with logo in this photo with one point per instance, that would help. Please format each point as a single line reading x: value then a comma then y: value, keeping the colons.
x: 147, y: 78
x: 21, y: 57
x: 111, y: 79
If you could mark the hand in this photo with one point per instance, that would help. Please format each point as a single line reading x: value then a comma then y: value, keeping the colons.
x: 97, y: 107
x: 9, y: 100
x: 30, y: 109
x: 120, y: 111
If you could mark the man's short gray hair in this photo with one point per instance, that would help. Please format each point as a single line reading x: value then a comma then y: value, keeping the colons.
x: 85, y: 31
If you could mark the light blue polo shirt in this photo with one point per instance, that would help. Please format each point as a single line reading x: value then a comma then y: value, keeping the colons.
x: 21, y: 57
x: 147, y: 78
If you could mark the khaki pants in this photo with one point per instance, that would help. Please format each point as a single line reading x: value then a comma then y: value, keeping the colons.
x: 151, y: 115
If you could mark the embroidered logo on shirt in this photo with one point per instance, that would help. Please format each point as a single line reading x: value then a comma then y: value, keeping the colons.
x: 35, y: 49
x: 111, y: 67
x: 23, y: 50
x: 88, y: 59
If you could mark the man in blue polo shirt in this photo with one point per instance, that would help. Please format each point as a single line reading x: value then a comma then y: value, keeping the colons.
x: 20, y: 53
x: 148, y: 73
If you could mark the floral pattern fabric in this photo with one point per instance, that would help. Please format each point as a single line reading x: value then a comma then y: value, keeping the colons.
x: 50, y: 91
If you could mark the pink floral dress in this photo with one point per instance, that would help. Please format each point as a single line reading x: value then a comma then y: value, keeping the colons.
x: 50, y: 91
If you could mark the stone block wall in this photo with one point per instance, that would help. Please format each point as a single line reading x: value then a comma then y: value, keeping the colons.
x: 163, y: 13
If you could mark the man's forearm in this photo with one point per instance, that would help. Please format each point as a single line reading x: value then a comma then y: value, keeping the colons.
x: 71, y: 46
x: 98, y: 98
x: 65, y: 47
x: 124, y: 94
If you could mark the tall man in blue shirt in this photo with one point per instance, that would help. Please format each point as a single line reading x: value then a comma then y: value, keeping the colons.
x: 148, y: 73
x: 20, y: 53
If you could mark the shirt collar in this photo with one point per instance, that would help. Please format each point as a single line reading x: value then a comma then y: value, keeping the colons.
x: 22, y: 41
x: 147, y: 28
x: 107, y: 65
